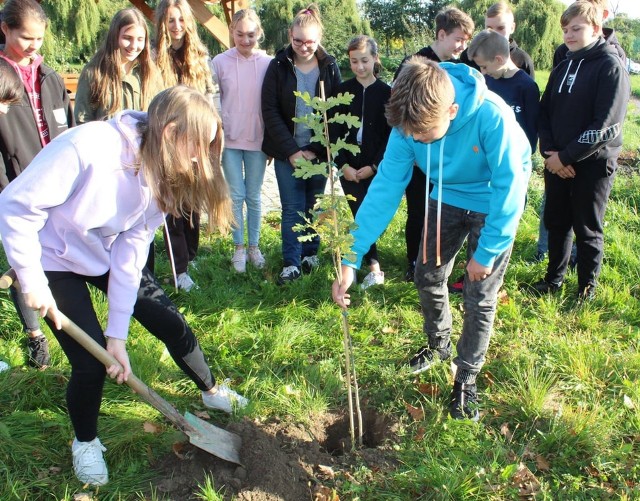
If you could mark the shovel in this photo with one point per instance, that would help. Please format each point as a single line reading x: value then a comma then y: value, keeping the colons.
x: 221, y: 443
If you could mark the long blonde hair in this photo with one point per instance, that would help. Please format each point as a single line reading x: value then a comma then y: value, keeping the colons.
x: 180, y: 162
x: 105, y: 68
x: 192, y: 69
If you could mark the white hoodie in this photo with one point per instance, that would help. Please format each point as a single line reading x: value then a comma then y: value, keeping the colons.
x: 83, y: 206
x: 240, y: 79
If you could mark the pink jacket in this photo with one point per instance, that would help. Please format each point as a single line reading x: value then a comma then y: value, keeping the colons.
x: 240, y: 80
x: 83, y: 206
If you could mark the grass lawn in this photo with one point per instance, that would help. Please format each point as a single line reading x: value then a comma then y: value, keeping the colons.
x: 559, y: 391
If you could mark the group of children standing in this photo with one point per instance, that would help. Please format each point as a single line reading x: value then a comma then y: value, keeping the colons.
x: 154, y: 154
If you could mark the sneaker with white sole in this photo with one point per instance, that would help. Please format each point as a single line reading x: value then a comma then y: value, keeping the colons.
x: 185, y: 282
x: 239, y: 260
x: 310, y: 263
x: 88, y: 463
x: 224, y: 399
x: 256, y: 258
x: 288, y: 274
x: 373, y: 278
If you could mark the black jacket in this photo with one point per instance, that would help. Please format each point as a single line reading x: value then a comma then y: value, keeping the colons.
x: 519, y: 57
x: 279, y: 103
x: 375, y: 129
x: 610, y: 37
x: 424, y: 52
x: 584, y: 105
x: 19, y: 136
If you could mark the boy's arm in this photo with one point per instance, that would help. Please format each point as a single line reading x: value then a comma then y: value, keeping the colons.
x: 384, y: 195
x: 509, y: 159
x: 612, y: 91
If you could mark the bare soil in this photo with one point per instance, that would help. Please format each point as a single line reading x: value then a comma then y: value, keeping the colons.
x: 282, y: 460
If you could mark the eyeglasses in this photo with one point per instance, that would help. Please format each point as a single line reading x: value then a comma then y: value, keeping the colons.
x: 307, y: 43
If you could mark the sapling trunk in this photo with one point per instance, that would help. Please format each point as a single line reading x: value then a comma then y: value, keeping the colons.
x: 330, y: 220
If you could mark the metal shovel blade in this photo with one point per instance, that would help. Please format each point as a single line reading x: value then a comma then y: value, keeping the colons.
x: 214, y: 440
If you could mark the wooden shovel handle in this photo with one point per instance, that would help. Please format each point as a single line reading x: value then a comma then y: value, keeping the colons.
x: 107, y: 359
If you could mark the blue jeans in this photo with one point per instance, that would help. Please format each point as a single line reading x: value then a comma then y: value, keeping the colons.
x: 297, y: 197
x: 244, y: 187
x: 543, y: 234
x: 479, y: 297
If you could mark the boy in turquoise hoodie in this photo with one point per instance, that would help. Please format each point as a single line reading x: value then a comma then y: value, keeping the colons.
x: 467, y: 141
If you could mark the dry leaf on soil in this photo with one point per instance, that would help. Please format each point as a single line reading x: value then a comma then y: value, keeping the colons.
x: 323, y: 493
x: 325, y: 471
x: 542, y: 464
x: 429, y: 389
x: 526, y: 482
x: 178, y: 449
x: 202, y: 415
x: 416, y: 413
x: 505, y: 431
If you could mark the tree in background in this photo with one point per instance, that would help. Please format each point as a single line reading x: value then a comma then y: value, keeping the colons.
x: 409, y: 22
x: 75, y: 29
x: 628, y: 34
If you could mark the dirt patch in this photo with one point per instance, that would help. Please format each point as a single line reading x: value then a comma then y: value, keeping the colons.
x: 282, y: 461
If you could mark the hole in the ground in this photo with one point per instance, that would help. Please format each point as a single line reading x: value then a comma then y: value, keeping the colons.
x: 338, y: 438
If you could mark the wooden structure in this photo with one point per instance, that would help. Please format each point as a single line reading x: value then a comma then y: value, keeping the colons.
x: 218, y: 28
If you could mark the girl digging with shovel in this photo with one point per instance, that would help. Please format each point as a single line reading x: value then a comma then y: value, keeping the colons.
x: 85, y: 212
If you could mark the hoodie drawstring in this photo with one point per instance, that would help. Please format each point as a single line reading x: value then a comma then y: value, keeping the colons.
x: 575, y: 77
x: 439, y: 206
x: 565, y: 77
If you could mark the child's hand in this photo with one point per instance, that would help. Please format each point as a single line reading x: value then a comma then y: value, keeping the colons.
x: 339, y: 290
x: 42, y: 300
x: 477, y: 271
x: 364, y: 172
x: 553, y: 164
x: 118, y: 348
x: 350, y: 174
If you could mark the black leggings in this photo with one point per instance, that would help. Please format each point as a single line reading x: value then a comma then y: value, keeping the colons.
x: 153, y: 309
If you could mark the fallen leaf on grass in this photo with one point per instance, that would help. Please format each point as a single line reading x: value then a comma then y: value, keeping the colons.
x: 202, y: 415
x: 542, y: 464
x: 505, y: 431
x: 420, y: 434
x: 325, y: 471
x: 149, y: 427
x: 178, y: 449
x: 389, y: 330
x: 526, y: 482
x: 503, y: 297
x: 82, y: 496
x: 628, y: 403
x: 416, y: 413
x: 429, y: 389
x: 323, y: 493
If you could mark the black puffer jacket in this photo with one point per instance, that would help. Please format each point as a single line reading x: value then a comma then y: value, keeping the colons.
x: 279, y: 103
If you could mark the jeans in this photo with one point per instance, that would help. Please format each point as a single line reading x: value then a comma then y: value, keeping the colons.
x: 153, y: 309
x: 297, y: 196
x: 479, y: 297
x: 244, y: 187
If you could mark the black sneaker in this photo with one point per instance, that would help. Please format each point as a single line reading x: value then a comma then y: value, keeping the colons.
x: 464, y: 402
x: 424, y: 359
x: 310, y: 263
x: 587, y: 294
x: 543, y: 287
x: 288, y: 274
x: 411, y: 271
x: 38, y: 352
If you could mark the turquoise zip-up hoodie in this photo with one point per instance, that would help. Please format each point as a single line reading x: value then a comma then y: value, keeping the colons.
x: 482, y: 164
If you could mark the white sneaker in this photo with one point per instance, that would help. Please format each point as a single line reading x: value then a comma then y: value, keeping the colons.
x: 310, y: 263
x: 256, y: 258
x: 239, y: 260
x: 88, y: 463
x: 373, y: 278
x: 224, y: 399
x: 185, y: 282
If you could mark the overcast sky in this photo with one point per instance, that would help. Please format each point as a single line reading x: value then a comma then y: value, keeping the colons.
x: 630, y: 7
